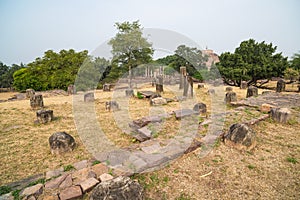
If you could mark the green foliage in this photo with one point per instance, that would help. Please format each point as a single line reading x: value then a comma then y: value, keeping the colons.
x: 295, y: 62
x: 129, y: 47
x: 4, y: 190
x: 16, y: 194
x: 251, y: 62
x: 52, y: 71
x: 292, y: 160
x: 291, y: 74
x: 251, y: 167
x: 139, y: 95
x: 95, y: 162
x: 68, y: 168
x: 6, y: 74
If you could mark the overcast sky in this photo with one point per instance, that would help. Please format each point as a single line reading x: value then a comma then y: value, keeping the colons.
x: 30, y: 27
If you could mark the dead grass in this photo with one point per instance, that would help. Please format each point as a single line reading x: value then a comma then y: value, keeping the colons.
x: 263, y: 173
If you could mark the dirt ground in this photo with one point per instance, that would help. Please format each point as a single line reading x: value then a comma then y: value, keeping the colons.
x: 270, y: 171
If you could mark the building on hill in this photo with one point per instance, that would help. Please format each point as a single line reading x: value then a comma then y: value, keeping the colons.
x: 213, y: 58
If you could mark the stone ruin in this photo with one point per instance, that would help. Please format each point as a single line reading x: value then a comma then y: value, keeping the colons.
x: 61, y: 142
x: 241, y: 137
x: 30, y: 93
x: 36, y: 101
x: 230, y: 97
x: 44, y: 116
x: 252, y: 91
x: 243, y: 85
x: 71, y: 89
x: 106, y: 87
x: 200, y: 108
x: 281, y: 115
x: 89, y: 97
x: 280, y: 86
x: 129, y: 92
x: 112, y: 105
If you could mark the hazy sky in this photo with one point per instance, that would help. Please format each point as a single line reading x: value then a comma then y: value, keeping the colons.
x: 30, y: 27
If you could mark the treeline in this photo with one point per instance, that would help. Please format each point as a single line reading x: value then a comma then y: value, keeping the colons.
x: 251, y: 61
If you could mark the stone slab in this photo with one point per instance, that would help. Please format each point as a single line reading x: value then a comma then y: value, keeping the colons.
x: 70, y: 193
x: 88, y: 184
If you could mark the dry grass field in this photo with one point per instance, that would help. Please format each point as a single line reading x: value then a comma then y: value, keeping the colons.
x: 270, y: 171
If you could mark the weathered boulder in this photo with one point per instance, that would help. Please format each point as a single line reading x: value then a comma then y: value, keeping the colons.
x: 33, y: 191
x: 112, y: 105
x: 36, y: 101
x: 200, y: 85
x: 241, y: 137
x: 280, y: 86
x: 120, y: 188
x: 89, y: 97
x: 153, y: 96
x: 61, y: 142
x: 106, y: 87
x: 230, y: 97
x: 243, y: 85
x: 30, y: 93
x: 281, y: 115
x: 158, y: 101
x: 71, y: 89
x: 228, y: 89
x: 44, y: 116
x: 252, y: 91
x: 200, y: 108
x: 211, y: 91
x: 129, y: 93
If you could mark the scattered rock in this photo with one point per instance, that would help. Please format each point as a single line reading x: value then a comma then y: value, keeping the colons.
x: 280, y: 86
x: 158, y: 101
x: 7, y: 196
x: 71, y: 89
x: 200, y: 85
x: 54, y: 173
x: 55, y: 183
x: 200, y: 108
x: 34, y: 191
x: 252, y: 91
x: 70, y: 193
x: 36, y: 101
x: 228, y: 89
x: 106, y: 87
x: 230, y: 97
x: 88, y: 184
x: 129, y: 93
x: 144, y: 133
x: 243, y: 85
x: 105, y: 177
x: 120, y: 188
x: 240, y: 136
x: 281, y: 115
x: 61, y: 142
x: 81, y: 164
x: 100, y: 169
x: 44, y: 116
x: 266, y: 107
x: 67, y: 182
x: 30, y: 93
x: 179, y: 114
x: 89, y: 97
x: 112, y: 105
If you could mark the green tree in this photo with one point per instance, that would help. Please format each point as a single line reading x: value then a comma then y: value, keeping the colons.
x: 295, y: 62
x: 52, y: 71
x: 6, y: 74
x: 251, y: 62
x: 291, y: 74
x: 129, y: 47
